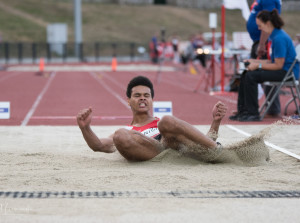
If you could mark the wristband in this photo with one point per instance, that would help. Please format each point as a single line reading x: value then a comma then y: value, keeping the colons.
x: 259, y: 66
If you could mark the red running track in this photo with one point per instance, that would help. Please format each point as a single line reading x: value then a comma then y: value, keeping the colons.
x: 55, y: 97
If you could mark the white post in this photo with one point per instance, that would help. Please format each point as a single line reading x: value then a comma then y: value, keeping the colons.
x: 77, y: 26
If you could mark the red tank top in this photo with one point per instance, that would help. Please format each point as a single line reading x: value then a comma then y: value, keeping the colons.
x: 149, y: 130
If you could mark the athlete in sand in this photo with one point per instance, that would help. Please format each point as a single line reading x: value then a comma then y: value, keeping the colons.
x: 147, y: 136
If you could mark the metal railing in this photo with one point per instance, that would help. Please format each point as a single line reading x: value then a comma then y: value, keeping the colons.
x: 24, y: 52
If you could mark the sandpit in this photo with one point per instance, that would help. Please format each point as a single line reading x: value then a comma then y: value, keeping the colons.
x: 44, y: 158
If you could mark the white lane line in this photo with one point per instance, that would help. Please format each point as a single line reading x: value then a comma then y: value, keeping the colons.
x: 266, y: 142
x: 180, y: 83
x: 38, y: 100
x: 122, y: 86
x: 74, y: 117
x: 168, y: 81
x: 9, y: 76
x: 238, y: 130
x: 111, y: 91
x: 226, y: 99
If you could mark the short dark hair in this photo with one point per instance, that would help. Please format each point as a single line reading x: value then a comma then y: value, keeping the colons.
x: 139, y: 80
x: 272, y: 16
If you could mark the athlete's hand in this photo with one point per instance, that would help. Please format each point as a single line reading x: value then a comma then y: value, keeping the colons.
x: 84, y: 118
x: 219, y: 111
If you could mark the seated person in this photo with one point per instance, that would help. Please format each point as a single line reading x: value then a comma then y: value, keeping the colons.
x: 259, y: 71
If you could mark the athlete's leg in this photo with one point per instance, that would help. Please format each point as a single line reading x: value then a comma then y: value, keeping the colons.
x: 188, y: 140
x: 175, y: 131
x: 135, y: 146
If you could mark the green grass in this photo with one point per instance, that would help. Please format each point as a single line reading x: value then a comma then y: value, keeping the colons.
x: 121, y: 23
x: 18, y: 29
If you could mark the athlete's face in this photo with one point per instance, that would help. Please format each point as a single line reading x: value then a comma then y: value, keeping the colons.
x: 141, y: 100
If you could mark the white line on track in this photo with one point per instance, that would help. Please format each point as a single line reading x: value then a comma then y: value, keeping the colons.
x: 111, y: 91
x: 180, y: 84
x: 38, y: 100
x: 266, y: 142
x: 10, y: 75
x: 113, y: 80
x: 169, y: 81
x: 74, y: 117
x: 225, y: 99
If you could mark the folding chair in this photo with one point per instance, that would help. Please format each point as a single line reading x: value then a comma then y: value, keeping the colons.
x: 289, y: 81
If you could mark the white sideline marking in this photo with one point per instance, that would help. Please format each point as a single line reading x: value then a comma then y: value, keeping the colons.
x: 7, y: 76
x: 171, y: 81
x: 38, y: 99
x: 225, y: 99
x: 116, y: 95
x: 87, y: 68
x: 113, y: 80
x: 267, y: 143
x: 74, y: 117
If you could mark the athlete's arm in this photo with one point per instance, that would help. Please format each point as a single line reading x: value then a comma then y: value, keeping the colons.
x: 106, y: 145
x: 218, y: 112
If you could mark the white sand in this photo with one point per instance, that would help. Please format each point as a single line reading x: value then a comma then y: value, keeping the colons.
x: 42, y: 158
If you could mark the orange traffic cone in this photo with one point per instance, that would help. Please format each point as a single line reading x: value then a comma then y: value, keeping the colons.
x: 42, y: 65
x: 114, y: 64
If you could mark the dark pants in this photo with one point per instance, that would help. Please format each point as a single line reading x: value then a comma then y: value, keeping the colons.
x: 248, y: 92
x: 202, y: 59
x: 275, y: 107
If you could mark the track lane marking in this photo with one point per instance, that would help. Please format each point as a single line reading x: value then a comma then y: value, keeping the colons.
x: 180, y: 84
x: 9, y: 76
x: 38, y: 100
x: 74, y: 117
x: 113, y: 80
x: 111, y: 91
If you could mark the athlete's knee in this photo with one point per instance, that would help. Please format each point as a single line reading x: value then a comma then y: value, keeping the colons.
x: 166, y: 124
x: 121, y: 138
x: 125, y: 142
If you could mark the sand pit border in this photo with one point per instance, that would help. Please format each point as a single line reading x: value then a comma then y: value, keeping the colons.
x: 149, y: 194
